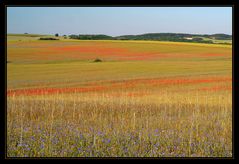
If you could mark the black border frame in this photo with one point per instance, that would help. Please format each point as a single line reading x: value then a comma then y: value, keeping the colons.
x: 117, y: 3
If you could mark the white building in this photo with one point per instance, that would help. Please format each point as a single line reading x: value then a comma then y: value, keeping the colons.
x: 189, y: 38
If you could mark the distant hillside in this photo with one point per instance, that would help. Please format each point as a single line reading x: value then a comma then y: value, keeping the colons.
x: 219, y: 36
x: 174, y: 36
x: 27, y: 35
x: 178, y: 37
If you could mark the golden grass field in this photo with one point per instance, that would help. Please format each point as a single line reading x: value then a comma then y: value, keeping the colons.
x: 146, y: 99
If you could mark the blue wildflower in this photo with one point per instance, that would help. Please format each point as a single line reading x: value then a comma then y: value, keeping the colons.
x: 100, y: 133
x: 42, y: 146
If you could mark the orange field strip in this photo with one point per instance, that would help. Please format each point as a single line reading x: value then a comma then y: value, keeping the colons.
x: 121, y: 84
x: 216, y: 88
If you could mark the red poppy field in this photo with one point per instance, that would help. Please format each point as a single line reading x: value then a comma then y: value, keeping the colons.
x: 144, y: 99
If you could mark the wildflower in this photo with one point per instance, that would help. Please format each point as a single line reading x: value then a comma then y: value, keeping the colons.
x: 156, y: 134
x: 91, y: 129
x: 20, y: 145
x: 28, y: 149
x: 33, y: 138
x: 156, y: 145
x: 81, y: 136
x: 42, y: 139
x: 107, y: 141
x: 42, y: 146
x: 100, y: 133
x: 126, y: 150
x: 55, y: 141
x: 26, y: 129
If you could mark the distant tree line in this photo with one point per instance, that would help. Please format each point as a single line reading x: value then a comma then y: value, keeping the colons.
x: 91, y: 37
x: 177, y: 37
x: 48, y: 39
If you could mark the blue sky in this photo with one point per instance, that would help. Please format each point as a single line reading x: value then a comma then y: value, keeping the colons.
x: 116, y: 21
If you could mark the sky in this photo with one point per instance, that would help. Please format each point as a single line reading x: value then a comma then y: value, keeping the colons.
x: 115, y: 21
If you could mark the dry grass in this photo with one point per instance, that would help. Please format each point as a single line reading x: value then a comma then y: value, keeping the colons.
x: 95, y: 124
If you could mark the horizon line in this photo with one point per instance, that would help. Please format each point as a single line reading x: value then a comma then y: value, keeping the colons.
x: 122, y: 34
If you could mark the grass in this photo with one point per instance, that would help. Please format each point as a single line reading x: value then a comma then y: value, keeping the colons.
x: 177, y: 103
x: 98, y: 125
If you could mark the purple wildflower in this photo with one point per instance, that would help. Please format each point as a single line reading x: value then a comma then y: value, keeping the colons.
x: 100, y: 133
x: 126, y: 150
x: 28, y: 149
x: 81, y: 137
x: 42, y: 146
x: 156, y: 145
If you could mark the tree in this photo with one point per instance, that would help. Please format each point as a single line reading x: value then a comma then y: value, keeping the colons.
x: 56, y: 35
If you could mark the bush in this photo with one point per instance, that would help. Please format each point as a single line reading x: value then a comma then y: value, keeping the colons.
x: 48, y: 39
x: 97, y: 60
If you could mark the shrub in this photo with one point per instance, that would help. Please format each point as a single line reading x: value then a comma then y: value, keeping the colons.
x: 48, y: 39
x: 97, y: 60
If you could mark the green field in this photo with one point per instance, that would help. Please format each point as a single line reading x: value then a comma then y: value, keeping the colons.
x: 145, y: 99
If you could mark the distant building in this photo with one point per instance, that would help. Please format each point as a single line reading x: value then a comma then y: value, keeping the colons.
x: 189, y: 38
